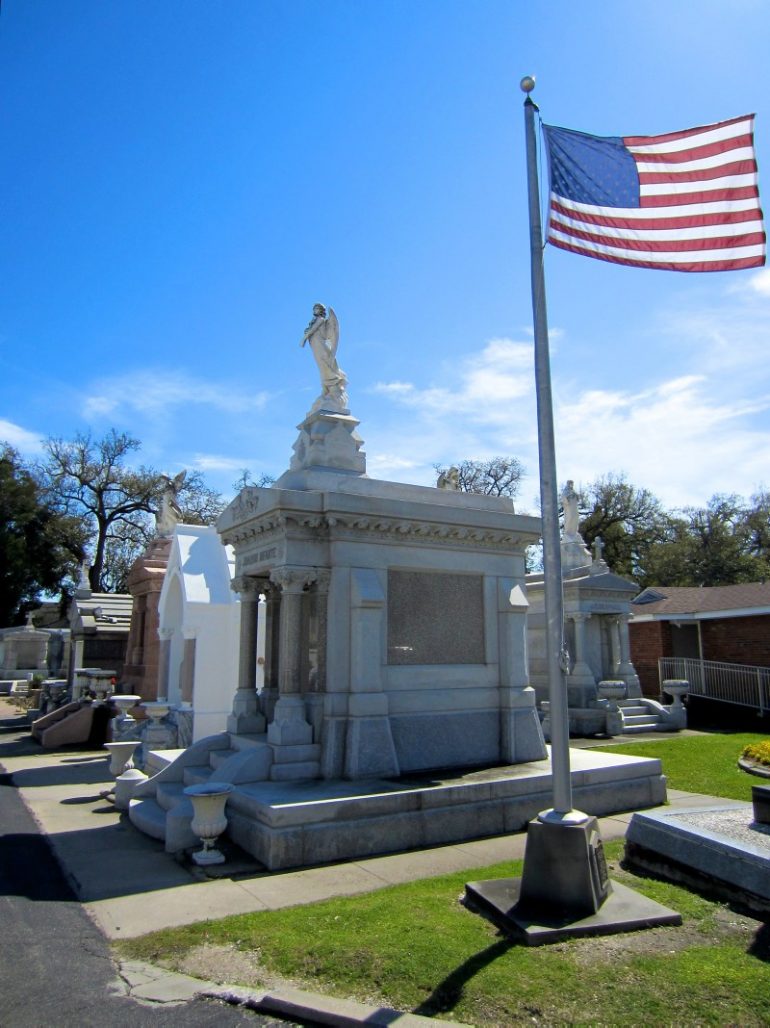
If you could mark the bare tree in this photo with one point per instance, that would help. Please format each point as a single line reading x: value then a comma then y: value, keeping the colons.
x: 92, y: 480
x: 499, y: 476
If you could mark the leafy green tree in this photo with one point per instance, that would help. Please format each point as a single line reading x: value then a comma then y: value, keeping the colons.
x: 723, y: 543
x: 39, y: 547
x: 630, y: 521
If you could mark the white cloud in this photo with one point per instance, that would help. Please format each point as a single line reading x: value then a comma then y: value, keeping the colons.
x: 481, y: 388
x: 156, y: 393
x: 20, y: 438
x: 215, y: 462
x: 683, y: 436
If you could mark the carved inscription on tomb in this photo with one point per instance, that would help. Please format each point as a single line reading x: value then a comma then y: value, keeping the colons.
x: 268, y: 555
x: 435, y: 618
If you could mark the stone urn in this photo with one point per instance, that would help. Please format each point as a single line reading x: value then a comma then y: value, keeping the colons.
x: 676, y: 689
x: 124, y: 702
x: 121, y: 756
x: 209, y: 818
x: 612, y: 689
x: 157, y: 735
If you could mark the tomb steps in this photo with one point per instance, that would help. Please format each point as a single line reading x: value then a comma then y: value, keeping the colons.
x: 643, y: 715
x: 159, y: 806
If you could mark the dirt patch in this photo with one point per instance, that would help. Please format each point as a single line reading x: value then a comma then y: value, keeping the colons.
x: 228, y: 965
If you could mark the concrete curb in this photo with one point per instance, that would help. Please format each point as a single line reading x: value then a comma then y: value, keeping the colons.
x: 309, y: 1006
x: 152, y: 984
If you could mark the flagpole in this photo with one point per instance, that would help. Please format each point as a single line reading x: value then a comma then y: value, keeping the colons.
x: 549, y: 501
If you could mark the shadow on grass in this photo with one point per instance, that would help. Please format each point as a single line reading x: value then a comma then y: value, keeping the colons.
x: 448, y: 993
x: 760, y: 946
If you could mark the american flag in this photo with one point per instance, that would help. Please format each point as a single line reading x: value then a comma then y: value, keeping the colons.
x: 684, y: 201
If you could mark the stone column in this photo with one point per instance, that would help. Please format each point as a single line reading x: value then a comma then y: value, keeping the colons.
x: 245, y: 718
x: 289, y: 726
x: 137, y: 652
x: 314, y: 702
x: 164, y: 669
x: 272, y: 627
x: 187, y: 670
x: 521, y: 737
x: 323, y: 577
x: 625, y: 669
x: 369, y: 747
x: 581, y: 684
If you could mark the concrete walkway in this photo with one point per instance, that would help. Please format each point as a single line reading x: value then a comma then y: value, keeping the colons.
x: 130, y: 886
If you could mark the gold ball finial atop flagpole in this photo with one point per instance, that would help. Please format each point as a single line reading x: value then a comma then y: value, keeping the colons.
x: 527, y: 83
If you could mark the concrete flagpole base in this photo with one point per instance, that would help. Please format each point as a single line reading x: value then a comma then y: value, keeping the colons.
x: 565, y: 890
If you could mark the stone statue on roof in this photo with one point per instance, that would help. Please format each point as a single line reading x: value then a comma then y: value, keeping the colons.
x: 323, y: 334
x: 569, y: 499
x: 170, y: 513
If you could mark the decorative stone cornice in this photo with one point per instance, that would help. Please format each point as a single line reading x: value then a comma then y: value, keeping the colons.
x: 389, y: 528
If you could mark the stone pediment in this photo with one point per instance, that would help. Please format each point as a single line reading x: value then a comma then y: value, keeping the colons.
x: 604, y: 584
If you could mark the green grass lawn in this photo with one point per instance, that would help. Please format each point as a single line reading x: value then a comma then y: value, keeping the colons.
x: 415, y: 947
x: 699, y: 763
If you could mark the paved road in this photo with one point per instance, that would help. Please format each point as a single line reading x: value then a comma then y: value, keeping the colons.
x: 55, y: 966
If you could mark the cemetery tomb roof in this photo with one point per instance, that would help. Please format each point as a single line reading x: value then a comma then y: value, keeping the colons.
x: 101, y: 612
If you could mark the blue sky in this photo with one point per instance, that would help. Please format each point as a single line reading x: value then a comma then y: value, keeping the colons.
x: 182, y: 180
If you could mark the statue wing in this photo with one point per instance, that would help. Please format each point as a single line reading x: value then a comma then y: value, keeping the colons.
x: 332, y: 331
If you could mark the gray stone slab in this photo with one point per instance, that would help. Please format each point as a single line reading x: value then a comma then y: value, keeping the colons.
x: 623, y: 911
x: 720, y: 844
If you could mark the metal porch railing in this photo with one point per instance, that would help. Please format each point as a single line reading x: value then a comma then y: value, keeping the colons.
x: 741, y: 684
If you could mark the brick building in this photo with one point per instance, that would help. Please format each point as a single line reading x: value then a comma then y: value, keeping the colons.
x: 729, y: 623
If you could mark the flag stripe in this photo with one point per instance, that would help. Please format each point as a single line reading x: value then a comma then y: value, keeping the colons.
x: 704, y: 135
x: 706, y: 174
x: 704, y: 260
x: 683, y: 201
x: 658, y: 230
x: 728, y: 209
x: 700, y: 157
x: 698, y: 196
x: 660, y: 243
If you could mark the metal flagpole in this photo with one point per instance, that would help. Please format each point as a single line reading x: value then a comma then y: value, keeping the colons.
x: 549, y: 501
x: 564, y: 888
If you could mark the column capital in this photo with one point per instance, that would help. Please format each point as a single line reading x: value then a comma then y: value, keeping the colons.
x: 322, y: 579
x: 579, y: 616
x: 293, y: 578
x: 246, y: 586
x: 166, y: 633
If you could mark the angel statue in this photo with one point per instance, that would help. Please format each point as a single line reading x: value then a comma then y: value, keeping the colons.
x: 170, y: 513
x: 323, y: 334
x: 570, y: 499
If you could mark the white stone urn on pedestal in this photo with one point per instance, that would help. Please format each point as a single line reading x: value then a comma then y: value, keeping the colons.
x: 676, y: 688
x: 209, y: 818
x: 610, y: 690
x: 121, y: 756
x: 124, y: 702
x: 158, y: 736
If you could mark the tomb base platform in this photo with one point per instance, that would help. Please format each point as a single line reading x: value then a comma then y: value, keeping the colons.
x: 298, y: 824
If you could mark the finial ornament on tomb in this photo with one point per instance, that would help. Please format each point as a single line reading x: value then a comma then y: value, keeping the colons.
x: 323, y: 334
